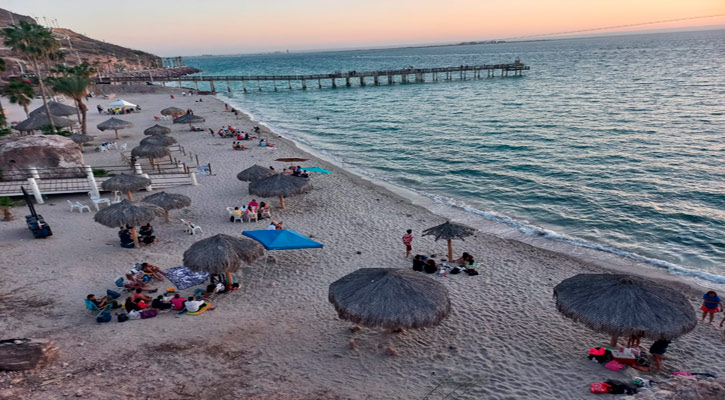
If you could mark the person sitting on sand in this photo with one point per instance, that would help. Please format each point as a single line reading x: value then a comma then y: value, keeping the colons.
x: 278, y: 226
x: 142, y: 305
x: 234, y: 146
x: 126, y: 239
x: 136, y: 283
x: 430, y: 267
x: 159, y: 303
x: 139, y: 295
x: 196, y: 304
x: 272, y: 226
x: 260, y: 210
x: 177, y: 303
x: 710, y: 305
x: 150, y: 269
x: 465, y: 259
x: 130, y: 305
x: 418, y: 263
x: 246, y: 136
x: 146, y: 234
x: 103, y: 302
x: 286, y: 171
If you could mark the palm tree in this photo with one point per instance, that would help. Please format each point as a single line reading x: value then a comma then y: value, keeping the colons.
x: 34, y: 43
x: 74, y: 83
x: 21, y: 93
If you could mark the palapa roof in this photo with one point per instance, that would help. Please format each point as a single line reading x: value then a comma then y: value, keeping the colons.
x: 255, y: 173
x: 390, y: 298
x: 38, y: 121
x: 449, y: 230
x: 157, y: 130
x: 279, y: 185
x: 168, y: 201
x: 150, y: 151
x: 57, y: 109
x: 188, y: 119
x: 125, y: 183
x: 114, y: 123
x: 625, y: 305
x: 80, y: 139
x: 221, y: 254
x: 127, y: 213
x: 158, y: 140
x: 172, y: 111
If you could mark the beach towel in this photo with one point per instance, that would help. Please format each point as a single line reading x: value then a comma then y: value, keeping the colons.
x: 184, y: 278
x: 614, y: 365
x: 202, y: 309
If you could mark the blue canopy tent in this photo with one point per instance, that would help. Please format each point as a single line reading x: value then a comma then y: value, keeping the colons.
x: 281, y: 239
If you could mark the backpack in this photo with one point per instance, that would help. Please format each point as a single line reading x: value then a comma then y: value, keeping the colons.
x: 122, y: 317
x: 104, y: 317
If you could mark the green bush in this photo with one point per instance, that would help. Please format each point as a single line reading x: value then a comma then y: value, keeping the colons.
x: 100, y: 172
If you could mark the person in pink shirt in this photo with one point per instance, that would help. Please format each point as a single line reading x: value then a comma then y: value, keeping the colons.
x: 177, y: 302
x: 253, y: 204
x: 407, y: 241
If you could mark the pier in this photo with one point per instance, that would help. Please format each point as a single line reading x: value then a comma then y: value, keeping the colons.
x: 335, y: 79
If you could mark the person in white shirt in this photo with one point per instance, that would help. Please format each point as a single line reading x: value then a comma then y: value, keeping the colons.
x: 194, y: 305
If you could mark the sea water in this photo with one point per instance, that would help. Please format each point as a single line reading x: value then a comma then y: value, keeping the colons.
x: 611, y: 143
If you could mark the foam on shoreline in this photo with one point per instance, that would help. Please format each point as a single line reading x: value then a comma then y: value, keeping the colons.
x: 505, y: 227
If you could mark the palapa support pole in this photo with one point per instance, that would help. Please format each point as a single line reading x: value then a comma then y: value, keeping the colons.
x: 167, y: 216
x: 133, y: 232
x: 230, y: 279
x: 281, y: 201
x: 130, y: 196
x: 116, y: 130
x: 613, y: 341
x: 450, y: 250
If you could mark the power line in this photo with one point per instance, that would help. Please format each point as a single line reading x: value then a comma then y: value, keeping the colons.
x: 614, y: 27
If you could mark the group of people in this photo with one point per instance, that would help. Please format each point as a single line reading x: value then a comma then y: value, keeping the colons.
x: 295, y: 170
x: 238, y: 146
x: 253, y: 207
x: 264, y: 143
x: 145, y: 236
x: 118, y: 111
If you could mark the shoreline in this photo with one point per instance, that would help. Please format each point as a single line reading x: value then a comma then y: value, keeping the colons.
x: 606, y: 258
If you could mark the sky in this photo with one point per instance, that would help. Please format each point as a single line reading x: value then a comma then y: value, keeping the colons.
x: 194, y: 27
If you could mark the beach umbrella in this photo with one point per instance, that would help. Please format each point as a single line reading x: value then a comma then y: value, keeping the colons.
x: 255, y: 173
x: 317, y: 169
x: 57, y: 109
x: 115, y: 124
x: 188, y: 119
x: 128, y: 213
x: 150, y: 151
x: 279, y: 185
x: 449, y: 231
x: 172, y: 111
x: 292, y: 159
x: 222, y: 254
x: 168, y: 201
x: 38, y: 121
x: 158, y: 140
x: 625, y: 305
x: 125, y: 183
x: 157, y: 130
x: 390, y: 298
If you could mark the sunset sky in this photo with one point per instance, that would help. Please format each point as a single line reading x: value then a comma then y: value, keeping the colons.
x: 192, y: 27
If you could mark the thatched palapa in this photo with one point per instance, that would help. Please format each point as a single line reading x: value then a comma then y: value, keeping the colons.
x: 125, y: 183
x: 449, y: 231
x: 222, y: 254
x: 158, y: 140
x: 625, y: 305
x: 390, y: 298
x: 280, y: 185
x: 115, y: 124
x: 188, y: 119
x: 168, y: 201
x: 81, y: 139
x: 57, y: 109
x: 128, y: 213
x: 172, y: 111
x: 255, y: 173
x: 157, y: 130
x: 39, y: 121
x: 149, y: 151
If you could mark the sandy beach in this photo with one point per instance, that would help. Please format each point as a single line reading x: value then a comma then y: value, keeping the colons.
x: 279, y: 337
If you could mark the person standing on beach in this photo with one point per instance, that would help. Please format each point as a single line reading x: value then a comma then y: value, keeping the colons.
x: 407, y: 241
x: 710, y: 305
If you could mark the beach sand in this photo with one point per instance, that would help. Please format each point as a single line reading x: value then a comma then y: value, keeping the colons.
x: 279, y: 338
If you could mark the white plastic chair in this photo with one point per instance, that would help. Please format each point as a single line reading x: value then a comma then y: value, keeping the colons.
x: 124, y: 146
x: 252, y: 215
x: 266, y: 213
x: 116, y: 197
x: 113, y: 145
x: 79, y: 206
x: 104, y: 148
x: 190, y: 228
x: 99, y: 200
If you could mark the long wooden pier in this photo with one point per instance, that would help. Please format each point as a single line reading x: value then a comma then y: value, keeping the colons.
x: 349, y: 78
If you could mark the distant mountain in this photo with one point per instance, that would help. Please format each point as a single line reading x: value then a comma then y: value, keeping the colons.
x: 110, y: 57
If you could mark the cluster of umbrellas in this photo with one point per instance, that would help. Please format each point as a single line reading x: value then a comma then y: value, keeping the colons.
x: 39, y: 117
x: 266, y: 183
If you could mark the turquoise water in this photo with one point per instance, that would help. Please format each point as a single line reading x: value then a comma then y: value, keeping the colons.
x: 611, y: 143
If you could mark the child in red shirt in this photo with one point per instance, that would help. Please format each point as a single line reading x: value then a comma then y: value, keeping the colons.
x: 407, y: 240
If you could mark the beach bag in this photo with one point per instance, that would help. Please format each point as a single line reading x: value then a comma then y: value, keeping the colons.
x: 455, y: 270
x: 149, y: 313
x: 614, y: 365
x: 471, y: 271
x: 599, y: 387
x: 104, y: 317
x: 113, y: 294
x: 122, y: 317
x: 134, y: 314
